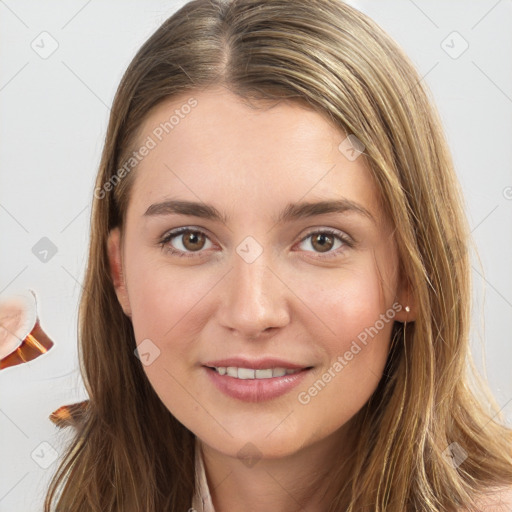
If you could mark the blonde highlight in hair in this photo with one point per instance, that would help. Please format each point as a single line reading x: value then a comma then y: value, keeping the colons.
x: 334, y: 59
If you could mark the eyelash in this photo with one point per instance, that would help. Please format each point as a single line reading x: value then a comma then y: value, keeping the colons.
x: 164, y: 241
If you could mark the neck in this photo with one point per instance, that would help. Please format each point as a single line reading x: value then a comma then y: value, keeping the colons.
x: 298, y: 482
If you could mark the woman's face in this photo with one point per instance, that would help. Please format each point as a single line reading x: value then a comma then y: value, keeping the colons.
x: 226, y: 262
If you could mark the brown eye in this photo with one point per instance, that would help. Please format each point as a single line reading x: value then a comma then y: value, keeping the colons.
x: 322, y: 242
x: 186, y: 242
x: 327, y: 243
x: 193, y: 240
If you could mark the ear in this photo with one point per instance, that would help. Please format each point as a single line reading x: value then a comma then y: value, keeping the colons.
x: 405, y: 297
x: 116, y: 269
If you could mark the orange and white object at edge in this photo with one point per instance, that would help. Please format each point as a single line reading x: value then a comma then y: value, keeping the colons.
x: 21, y: 337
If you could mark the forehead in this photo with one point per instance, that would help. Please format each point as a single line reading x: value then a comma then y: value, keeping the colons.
x: 213, y: 146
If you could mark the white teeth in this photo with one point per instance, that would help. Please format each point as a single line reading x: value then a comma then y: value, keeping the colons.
x: 278, y: 372
x: 250, y: 373
x: 245, y: 373
x: 232, y: 371
x: 263, y: 374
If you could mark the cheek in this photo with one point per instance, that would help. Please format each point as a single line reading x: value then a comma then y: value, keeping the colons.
x: 344, y: 303
x: 165, y: 301
x: 357, y: 319
x: 168, y: 308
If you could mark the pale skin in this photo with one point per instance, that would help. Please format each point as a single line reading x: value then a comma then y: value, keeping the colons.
x: 287, y: 303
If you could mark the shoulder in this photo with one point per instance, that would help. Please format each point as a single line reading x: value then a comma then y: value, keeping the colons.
x: 497, y: 500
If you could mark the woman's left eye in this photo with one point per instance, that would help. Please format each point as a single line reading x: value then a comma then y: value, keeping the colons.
x: 191, y: 241
x: 325, y: 240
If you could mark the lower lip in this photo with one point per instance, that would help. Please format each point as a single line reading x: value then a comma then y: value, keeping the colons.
x: 255, y: 390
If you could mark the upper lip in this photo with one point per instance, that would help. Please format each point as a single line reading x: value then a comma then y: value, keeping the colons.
x: 257, y: 364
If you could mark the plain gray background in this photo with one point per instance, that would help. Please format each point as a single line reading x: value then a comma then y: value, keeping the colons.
x: 60, y: 66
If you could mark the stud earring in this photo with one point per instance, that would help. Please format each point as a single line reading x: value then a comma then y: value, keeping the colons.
x: 407, y: 309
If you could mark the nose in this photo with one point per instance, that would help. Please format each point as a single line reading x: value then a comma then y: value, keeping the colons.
x: 254, y: 299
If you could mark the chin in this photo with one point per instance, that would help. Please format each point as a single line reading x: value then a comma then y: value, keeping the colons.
x: 256, y: 445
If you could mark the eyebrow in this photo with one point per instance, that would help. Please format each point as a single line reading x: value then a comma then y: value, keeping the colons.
x: 292, y: 211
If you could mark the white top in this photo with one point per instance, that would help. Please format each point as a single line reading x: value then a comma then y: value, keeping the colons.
x: 202, y: 501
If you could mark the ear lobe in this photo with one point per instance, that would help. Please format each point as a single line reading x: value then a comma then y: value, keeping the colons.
x: 405, y: 298
x: 114, y: 250
x: 406, y: 316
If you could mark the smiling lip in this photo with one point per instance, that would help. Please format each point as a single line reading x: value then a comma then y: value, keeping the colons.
x: 255, y: 390
x: 257, y: 364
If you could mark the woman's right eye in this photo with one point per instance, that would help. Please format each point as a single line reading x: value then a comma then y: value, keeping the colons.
x: 187, y: 240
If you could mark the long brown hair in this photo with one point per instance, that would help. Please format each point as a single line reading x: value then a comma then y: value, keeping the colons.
x: 335, y: 59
